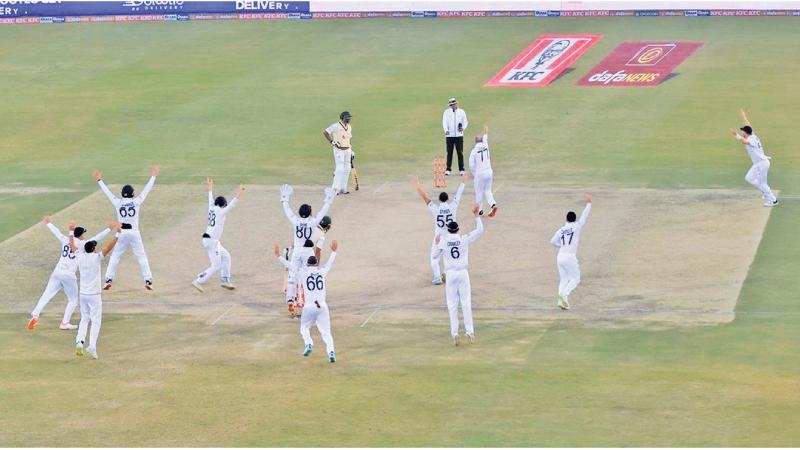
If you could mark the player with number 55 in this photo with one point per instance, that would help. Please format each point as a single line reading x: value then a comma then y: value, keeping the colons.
x: 127, y: 209
x: 567, y: 239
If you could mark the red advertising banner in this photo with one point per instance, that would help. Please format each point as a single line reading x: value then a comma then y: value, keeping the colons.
x: 543, y: 60
x: 639, y: 64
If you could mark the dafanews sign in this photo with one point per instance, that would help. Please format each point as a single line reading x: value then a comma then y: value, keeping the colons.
x: 544, y: 60
x: 639, y: 64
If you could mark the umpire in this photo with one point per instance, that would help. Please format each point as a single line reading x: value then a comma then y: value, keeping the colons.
x: 454, y: 122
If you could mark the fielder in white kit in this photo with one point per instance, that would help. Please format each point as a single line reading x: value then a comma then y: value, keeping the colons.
x: 218, y: 257
x: 567, y: 239
x: 293, y: 267
x: 443, y: 213
x: 63, y: 276
x: 303, y: 227
x: 481, y: 167
x: 339, y: 135
x: 757, y: 175
x: 91, y: 301
x: 128, y: 208
x: 315, y: 311
x: 458, y: 291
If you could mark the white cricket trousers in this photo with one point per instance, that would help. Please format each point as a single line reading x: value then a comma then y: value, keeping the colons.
x: 319, y: 314
x: 341, y: 174
x: 436, y: 261
x: 295, y: 263
x: 483, y: 188
x: 132, y: 239
x: 569, y: 273
x: 91, y: 313
x: 459, y: 292
x: 220, y: 260
x: 58, y: 281
x: 757, y: 176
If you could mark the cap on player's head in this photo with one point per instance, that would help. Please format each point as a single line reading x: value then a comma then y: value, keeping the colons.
x: 220, y: 201
x: 90, y: 246
x: 312, y: 261
x: 127, y: 191
x: 345, y: 116
x: 747, y: 129
x: 571, y: 216
x: 305, y: 210
x: 452, y: 101
x: 78, y: 231
x: 443, y: 197
x: 452, y: 227
x: 308, y: 243
x: 325, y: 223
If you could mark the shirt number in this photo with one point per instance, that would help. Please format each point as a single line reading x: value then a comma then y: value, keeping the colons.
x: 563, y: 242
x: 212, y: 218
x: 127, y: 211
x: 315, y: 283
x: 302, y: 232
x: 454, y: 253
x: 442, y: 220
x: 67, y: 252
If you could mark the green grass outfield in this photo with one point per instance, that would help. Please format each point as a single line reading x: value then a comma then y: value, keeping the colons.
x: 246, y: 101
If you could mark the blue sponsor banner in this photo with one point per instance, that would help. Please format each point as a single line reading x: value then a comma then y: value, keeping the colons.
x: 703, y: 13
x: 143, y: 7
x: 430, y: 14
x: 553, y: 13
x: 417, y: 14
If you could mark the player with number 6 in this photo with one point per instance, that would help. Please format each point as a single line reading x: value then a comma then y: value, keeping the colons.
x: 567, y: 239
x: 128, y: 209
x: 218, y: 256
x: 443, y: 213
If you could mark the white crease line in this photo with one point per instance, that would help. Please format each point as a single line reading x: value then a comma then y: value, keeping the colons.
x: 370, y: 317
x: 222, y: 315
x: 378, y: 188
x: 498, y: 187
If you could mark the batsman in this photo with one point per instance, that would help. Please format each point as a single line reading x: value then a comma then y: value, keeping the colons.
x: 339, y: 135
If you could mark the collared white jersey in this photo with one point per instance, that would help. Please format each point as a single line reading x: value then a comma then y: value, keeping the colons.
x: 303, y: 228
x: 341, y: 133
x: 479, y: 157
x: 445, y: 212
x: 67, y: 260
x: 217, y: 216
x: 755, y: 150
x: 451, y: 119
x: 314, y: 282
x: 128, y: 208
x: 568, y: 237
x: 89, y: 264
x: 454, y: 248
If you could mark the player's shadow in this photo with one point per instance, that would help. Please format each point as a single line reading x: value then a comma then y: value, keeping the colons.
x: 563, y: 74
x: 669, y: 77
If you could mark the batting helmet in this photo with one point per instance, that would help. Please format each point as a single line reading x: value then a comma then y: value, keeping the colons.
x: 305, y: 210
x: 325, y: 223
x: 345, y: 115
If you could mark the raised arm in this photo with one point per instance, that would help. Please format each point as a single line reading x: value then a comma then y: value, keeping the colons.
x: 286, y: 264
x: 99, y: 177
x: 54, y: 229
x: 149, y: 186
x: 72, y: 245
x: 474, y: 234
x: 461, y: 187
x: 331, y: 258
x: 117, y: 227
x: 235, y: 200
x: 586, y: 210
x: 286, y: 193
x: 418, y: 187
x: 739, y: 137
x: 210, y: 184
x: 486, y: 135
x: 101, y: 235
x: 330, y: 194
x: 744, y: 117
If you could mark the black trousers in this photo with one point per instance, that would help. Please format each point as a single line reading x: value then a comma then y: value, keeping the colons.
x: 458, y: 143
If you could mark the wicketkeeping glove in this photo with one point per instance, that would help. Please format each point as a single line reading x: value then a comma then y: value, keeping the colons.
x: 286, y: 192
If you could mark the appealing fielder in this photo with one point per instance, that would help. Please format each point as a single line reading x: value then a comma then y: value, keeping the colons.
x: 316, y: 243
x: 757, y: 175
x: 443, y: 213
x: 481, y: 167
x: 218, y: 256
x: 63, y: 276
x: 91, y: 301
x: 315, y: 311
x: 458, y: 291
x: 302, y: 228
x: 339, y: 135
x: 293, y: 266
x: 128, y: 208
x: 567, y: 239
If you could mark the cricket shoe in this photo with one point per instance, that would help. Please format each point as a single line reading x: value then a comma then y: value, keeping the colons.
x: 32, y: 323
x: 437, y: 281
x: 563, y: 303
x: 493, y: 212
x: 197, y: 286
x: 480, y: 213
x: 67, y: 326
x: 108, y: 284
x: 308, y: 349
x: 92, y: 352
x: 447, y: 172
x: 461, y: 172
x: 79, y: 349
x: 148, y: 284
x: 471, y: 338
x: 228, y: 285
x: 332, y: 357
x: 771, y: 204
x: 456, y: 340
